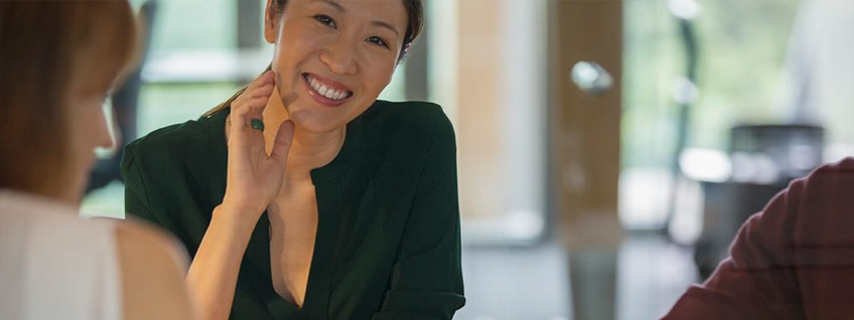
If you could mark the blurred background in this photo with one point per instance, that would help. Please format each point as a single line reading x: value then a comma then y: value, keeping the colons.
x: 608, y: 150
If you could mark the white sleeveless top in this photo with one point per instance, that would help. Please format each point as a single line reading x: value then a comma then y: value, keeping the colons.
x: 54, y: 264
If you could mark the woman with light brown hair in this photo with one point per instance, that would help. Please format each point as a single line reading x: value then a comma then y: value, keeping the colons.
x: 58, y: 59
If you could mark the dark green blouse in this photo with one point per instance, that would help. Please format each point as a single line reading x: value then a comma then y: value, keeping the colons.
x: 388, y: 235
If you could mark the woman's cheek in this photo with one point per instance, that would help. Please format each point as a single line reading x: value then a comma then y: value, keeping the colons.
x: 302, y: 37
x: 96, y: 129
x: 380, y: 76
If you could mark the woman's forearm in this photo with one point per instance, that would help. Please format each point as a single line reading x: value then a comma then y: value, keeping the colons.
x: 212, y: 277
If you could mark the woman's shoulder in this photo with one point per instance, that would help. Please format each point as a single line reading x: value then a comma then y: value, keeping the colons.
x: 410, y: 119
x: 407, y: 138
x: 841, y: 171
x: 411, y: 111
x: 175, y: 144
x: 30, y: 207
x: 830, y: 182
x: 44, y: 230
x: 138, y: 236
x: 814, y: 204
x: 152, y: 273
x: 178, y: 135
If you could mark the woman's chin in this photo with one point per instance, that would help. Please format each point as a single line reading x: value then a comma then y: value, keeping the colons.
x: 319, y: 120
x: 316, y: 125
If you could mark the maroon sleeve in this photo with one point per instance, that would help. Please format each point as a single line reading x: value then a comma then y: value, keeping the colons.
x: 789, y: 261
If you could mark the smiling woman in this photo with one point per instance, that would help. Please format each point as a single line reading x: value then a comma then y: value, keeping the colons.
x: 341, y: 207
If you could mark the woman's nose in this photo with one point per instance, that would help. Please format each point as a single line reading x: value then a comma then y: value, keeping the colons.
x: 106, y: 130
x: 341, y: 58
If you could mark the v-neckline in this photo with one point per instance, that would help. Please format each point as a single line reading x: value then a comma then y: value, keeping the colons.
x: 320, y: 269
x: 274, y: 256
x: 328, y: 194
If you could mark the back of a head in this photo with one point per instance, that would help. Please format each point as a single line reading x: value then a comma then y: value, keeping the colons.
x: 48, y: 47
x: 44, y: 46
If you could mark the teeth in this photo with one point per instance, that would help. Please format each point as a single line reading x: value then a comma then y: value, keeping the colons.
x: 339, y: 95
x: 326, y: 91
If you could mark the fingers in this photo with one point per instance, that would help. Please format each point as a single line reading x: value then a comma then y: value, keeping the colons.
x: 257, y: 92
x: 251, y: 103
x: 266, y: 78
x: 262, y: 87
x: 284, y: 138
x: 249, y: 106
x: 257, y: 104
x: 239, y: 121
x: 241, y: 117
x: 265, y: 90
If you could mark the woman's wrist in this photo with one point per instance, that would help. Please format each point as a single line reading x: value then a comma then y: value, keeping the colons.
x: 242, y: 207
x: 212, y: 276
x: 239, y: 217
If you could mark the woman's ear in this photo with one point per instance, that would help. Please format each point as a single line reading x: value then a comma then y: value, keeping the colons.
x: 271, y: 22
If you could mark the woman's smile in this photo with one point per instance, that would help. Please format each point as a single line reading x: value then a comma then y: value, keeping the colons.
x: 326, y: 91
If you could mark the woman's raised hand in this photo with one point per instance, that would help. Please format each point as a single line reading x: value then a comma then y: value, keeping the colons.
x: 254, y: 178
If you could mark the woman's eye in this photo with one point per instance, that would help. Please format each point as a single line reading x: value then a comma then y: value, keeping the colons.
x: 378, y: 41
x: 324, y: 19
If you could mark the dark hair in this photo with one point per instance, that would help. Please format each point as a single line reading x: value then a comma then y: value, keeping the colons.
x: 415, y: 14
x: 42, y: 47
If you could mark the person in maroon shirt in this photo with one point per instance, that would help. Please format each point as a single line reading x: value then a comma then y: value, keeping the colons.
x: 792, y: 260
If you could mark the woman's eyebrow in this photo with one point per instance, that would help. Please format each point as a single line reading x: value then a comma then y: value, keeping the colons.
x: 333, y: 4
x: 385, y: 25
x: 341, y: 9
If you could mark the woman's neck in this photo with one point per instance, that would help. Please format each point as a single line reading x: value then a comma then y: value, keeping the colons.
x: 308, y: 150
x: 311, y: 150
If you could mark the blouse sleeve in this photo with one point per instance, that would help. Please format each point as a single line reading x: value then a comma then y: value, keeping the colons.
x: 426, y: 281
x: 758, y: 280
x: 789, y: 261
x: 136, y: 195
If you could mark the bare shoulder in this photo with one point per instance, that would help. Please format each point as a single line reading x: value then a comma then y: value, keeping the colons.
x: 153, y: 269
x: 141, y: 236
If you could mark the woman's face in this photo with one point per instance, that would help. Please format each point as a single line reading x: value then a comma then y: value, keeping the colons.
x: 88, y: 130
x: 334, y: 56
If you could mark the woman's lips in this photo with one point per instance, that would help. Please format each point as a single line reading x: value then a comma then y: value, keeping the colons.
x: 326, y: 92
